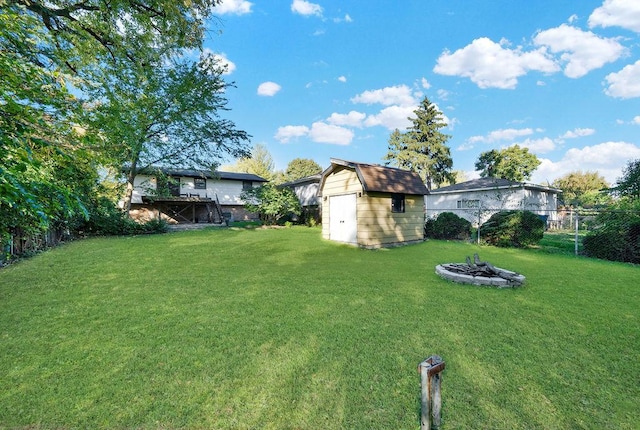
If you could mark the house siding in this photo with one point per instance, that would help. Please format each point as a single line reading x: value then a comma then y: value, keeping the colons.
x: 227, y: 192
x: 491, y: 201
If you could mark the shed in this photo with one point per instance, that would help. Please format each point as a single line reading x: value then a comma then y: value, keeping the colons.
x: 371, y: 206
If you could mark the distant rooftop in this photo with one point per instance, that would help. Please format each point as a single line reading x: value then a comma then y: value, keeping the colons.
x: 193, y: 173
x: 491, y: 184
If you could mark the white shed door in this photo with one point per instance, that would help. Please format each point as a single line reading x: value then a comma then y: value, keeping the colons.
x: 342, y: 219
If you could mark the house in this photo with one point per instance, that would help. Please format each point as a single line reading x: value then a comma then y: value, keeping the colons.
x: 306, y: 190
x: 371, y: 206
x: 478, y: 199
x: 191, y: 196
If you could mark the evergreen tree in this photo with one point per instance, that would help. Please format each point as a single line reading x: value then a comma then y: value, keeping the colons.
x: 423, y: 148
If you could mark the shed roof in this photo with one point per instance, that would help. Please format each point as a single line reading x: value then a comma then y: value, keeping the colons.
x: 480, y: 184
x: 193, y: 173
x: 376, y: 178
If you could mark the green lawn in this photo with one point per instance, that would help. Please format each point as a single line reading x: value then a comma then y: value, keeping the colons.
x: 279, y: 329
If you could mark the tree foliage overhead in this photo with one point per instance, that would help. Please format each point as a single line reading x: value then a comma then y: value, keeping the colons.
x: 583, y: 189
x: 123, y: 56
x: 513, y: 163
x: 39, y: 137
x: 423, y: 148
x: 168, y: 115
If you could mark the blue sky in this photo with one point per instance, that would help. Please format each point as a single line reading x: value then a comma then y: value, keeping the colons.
x: 330, y: 79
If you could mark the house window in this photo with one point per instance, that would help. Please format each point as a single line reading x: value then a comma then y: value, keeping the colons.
x: 397, y: 202
x: 200, y: 183
x: 247, y: 185
x: 468, y: 204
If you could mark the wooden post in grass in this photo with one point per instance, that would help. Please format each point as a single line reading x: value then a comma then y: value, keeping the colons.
x: 431, y: 401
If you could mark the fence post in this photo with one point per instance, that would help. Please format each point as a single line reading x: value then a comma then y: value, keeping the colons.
x: 576, y: 238
x: 431, y: 400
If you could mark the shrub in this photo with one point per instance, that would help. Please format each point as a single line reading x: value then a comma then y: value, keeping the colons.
x: 517, y: 229
x: 105, y: 219
x: 616, y: 236
x: 448, y: 225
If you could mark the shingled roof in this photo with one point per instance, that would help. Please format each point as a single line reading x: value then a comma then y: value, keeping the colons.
x: 376, y: 178
x: 481, y: 184
x: 204, y: 174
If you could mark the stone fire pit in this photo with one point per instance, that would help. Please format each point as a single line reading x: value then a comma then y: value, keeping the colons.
x: 479, y: 273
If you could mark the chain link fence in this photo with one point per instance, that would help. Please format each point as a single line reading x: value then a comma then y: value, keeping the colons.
x: 610, y: 234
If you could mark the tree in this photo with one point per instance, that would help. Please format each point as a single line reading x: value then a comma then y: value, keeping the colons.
x: 513, y: 163
x: 39, y: 137
x: 48, y: 46
x: 583, y: 189
x: 271, y: 202
x: 299, y: 168
x: 166, y: 115
x: 422, y: 148
x: 629, y: 184
x: 259, y: 162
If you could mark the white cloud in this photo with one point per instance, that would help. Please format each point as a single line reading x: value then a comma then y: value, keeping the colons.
x: 233, y: 7
x: 342, y: 78
x: 327, y: 133
x: 624, y: 84
x: 288, y: 132
x: 636, y: 120
x: 397, y: 95
x: 607, y: 159
x: 538, y: 146
x: 392, y: 117
x: 443, y: 94
x: 351, y: 119
x: 578, y: 132
x: 507, y: 134
x: 620, y: 13
x: 306, y: 8
x: 582, y: 51
x: 228, y: 65
x: 268, y: 89
x: 425, y: 84
x: 346, y: 18
x: 490, y: 65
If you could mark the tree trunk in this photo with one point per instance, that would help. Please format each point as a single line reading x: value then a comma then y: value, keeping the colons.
x: 131, y: 176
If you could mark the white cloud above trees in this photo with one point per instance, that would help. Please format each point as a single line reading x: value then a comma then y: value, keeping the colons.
x: 233, y: 7
x: 580, y: 51
x: 268, y: 89
x: 624, y: 84
x: 306, y: 8
x: 618, y: 13
x: 493, y: 65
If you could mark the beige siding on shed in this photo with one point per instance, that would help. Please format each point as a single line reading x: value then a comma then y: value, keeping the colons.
x: 378, y: 225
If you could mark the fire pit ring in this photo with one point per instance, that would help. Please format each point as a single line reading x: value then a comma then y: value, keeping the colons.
x: 479, y: 273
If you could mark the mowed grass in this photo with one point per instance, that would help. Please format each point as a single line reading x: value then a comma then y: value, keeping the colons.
x: 279, y: 329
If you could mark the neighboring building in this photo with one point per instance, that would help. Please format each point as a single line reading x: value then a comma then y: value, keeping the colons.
x: 306, y: 189
x: 478, y: 199
x: 191, y: 196
x: 370, y: 205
